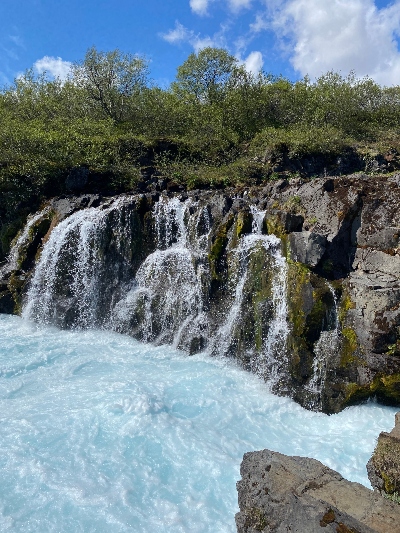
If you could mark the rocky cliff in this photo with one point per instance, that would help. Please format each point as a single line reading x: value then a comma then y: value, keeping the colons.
x: 278, y: 493
x: 297, y: 280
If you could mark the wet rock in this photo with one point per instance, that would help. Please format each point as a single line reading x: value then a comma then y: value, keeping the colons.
x: 288, y: 222
x: 307, y: 247
x: 384, y: 466
x: 278, y: 493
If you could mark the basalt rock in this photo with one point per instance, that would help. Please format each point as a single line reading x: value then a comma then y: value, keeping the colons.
x: 307, y: 247
x: 298, y: 280
x: 278, y: 493
x: 384, y: 466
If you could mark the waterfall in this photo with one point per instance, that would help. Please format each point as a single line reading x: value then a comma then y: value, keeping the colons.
x: 325, y: 348
x: 21, y: 242
x: 268, y: 360
x: 165, y: 304
x: 102, y: 267
x: 83, y: 261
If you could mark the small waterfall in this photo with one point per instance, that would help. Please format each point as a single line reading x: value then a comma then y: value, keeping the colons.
x: 326, y: 347
x: 269, y: 359
x: 80, y: 266
x: 21, y: 242
x: 166, y: 301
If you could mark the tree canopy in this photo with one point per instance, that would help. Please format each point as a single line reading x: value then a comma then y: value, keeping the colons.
x: 205, y: 75
x: 110, y: 79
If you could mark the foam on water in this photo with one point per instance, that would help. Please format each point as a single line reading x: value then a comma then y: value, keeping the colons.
x: 101, y: 433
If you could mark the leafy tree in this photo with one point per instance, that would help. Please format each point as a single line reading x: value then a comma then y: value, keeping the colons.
x: 205, y: 75
x: 111, y: 79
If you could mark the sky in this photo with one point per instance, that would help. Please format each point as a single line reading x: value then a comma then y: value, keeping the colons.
x: 292, y: 38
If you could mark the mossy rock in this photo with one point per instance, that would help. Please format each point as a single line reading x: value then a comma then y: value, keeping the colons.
x: 385, y: 387
x: 310, y: 301
x: 16, y: 286
x: 218, y: 249
x: 386, y: 462
x: 256, y: 310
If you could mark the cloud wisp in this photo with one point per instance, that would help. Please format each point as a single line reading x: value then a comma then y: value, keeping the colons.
x: 253, y: 62
x: 181, y: 34
x: 200, y: 7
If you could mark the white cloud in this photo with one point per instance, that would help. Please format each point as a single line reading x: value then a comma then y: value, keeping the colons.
x: 261, y: 23
x: 253, y: 62
x: 199, y: 6
x: 54, y: 66
x: 341, y: 35
x: 179, y: 33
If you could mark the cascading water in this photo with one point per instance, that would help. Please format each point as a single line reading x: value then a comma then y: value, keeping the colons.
x: 84, y: 261
x: 266, y: 354
x: 21, y: 242
x: 85, y: 278
x: 166, y: 301
x: 325, y: 348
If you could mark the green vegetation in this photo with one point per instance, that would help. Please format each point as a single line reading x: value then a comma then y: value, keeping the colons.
x: 216, y: 125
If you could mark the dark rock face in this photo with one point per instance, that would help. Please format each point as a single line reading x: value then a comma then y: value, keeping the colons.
x: 384, y: 466
x: 278, y: 494
x: 203, y: 270
x: 307, y: 247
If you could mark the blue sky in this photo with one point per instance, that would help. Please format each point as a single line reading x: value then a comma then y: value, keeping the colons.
x: 289, y: 37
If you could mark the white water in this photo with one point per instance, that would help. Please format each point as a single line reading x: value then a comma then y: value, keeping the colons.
x: 71, y: 265
x: 21, y: 240
x: 101, y: 433
x: 167, y: 289
x: 327, y: 346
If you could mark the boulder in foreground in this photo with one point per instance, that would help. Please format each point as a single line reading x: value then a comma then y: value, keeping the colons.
x: 278, y: 494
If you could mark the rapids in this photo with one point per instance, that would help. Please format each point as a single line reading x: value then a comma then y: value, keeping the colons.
x: 101, y: 433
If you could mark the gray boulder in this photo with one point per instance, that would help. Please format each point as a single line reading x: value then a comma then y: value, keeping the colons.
x: 278, y: 494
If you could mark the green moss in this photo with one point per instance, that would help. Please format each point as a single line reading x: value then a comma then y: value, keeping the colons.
x: 250, y: 332
x: 349, y: 347
x: 243, y: 223
x: 261, y: 292
x: 345, y: 305
x: 255, y: 519
x: 15, y: 286
x: 386, y: 387
x: 274, y: 226
x: 393, y: 349
x: 218, y: 248
x: 354, y: 393
x: 293, y: 205
x: 300, y: 354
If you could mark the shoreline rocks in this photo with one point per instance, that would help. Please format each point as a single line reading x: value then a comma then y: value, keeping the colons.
x: 384, y: 466
x: 278, y: 494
